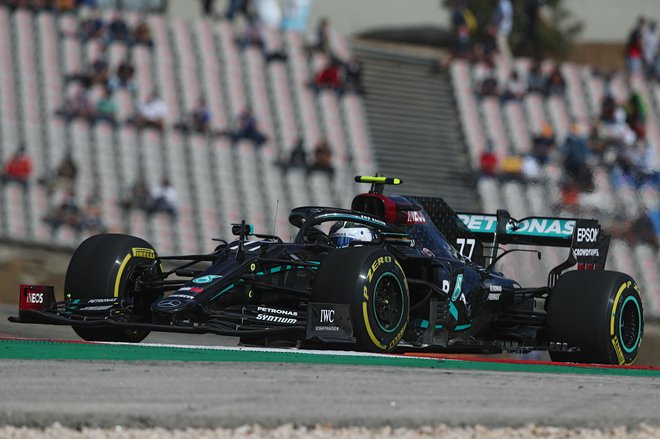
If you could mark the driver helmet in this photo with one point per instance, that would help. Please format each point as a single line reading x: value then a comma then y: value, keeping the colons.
x: 343, y: 233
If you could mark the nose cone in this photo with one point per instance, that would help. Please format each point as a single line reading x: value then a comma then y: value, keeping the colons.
x: 171, y: 305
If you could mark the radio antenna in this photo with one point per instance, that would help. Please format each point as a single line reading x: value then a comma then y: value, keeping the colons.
x: 277, y: 206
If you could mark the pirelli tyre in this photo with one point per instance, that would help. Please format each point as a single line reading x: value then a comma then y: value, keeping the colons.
x: 106, y: 266
x: 598, y: 312
x: 373, y: 283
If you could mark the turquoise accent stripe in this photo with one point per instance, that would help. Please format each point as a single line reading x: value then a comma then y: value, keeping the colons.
x: 463, y: 327
x: 453, y: 311
x: 224, y: 291
x: 425, y: 324
x: 457, y: 288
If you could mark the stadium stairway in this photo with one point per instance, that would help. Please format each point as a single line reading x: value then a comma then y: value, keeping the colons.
x: 414, y: 124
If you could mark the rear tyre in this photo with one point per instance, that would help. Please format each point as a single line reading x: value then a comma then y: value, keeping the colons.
x: 601, y: 313
x: 373, y: 283
x: 107, y: 266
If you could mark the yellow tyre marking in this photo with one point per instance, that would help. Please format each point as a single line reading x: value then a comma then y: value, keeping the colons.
x: 616, y: 301
x: 119, y: 273
x: 372, y: 336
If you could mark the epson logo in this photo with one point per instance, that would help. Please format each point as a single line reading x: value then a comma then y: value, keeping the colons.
x: 495, y: 288
x: 327, y: 316
x: 587, y: 235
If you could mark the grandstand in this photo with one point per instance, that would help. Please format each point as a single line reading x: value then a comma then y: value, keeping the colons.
x: 219, y: 182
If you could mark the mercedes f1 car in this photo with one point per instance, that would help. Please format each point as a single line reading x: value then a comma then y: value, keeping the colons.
x: 422, y: 278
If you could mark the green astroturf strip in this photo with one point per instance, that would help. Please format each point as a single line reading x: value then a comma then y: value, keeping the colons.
x: 45, y: 350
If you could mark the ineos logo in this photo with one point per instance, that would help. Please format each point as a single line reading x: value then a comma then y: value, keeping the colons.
x: 327, y: 315
x: 588, y: 235
x: 35, y: 298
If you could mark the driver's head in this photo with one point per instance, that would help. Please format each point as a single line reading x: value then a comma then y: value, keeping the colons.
x: 343, y: 233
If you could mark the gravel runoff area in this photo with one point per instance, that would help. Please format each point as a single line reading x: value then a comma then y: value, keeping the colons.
x: 299, y: 432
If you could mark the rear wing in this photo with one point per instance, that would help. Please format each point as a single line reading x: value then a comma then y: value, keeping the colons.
x: 588, y: 244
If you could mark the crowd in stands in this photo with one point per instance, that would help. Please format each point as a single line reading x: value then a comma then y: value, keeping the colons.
x: 642, y: 50
x: 321, y: 161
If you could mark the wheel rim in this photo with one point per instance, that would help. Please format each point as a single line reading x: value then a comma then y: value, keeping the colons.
x: 630, y: 324
x: 388, y: 302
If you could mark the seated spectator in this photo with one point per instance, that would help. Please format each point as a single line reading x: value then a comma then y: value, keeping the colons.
x: 353, y: 76
x: 515, y: 88
x: 64, y: 177
x: 543, y: 144
x: 142, y: 34
x: 66, y: 213
x: 247, y: 128
x: 531, y: 170
x: 77, y: 106
x: 639, y: 230
x: 268, y: 13
x: 323, y: 38
x: 163, y: 199
x: 92, y: 27
x: 96, y: 73
x: 555, y: 84
x: 634, y: 48
x: 535, y: 79
x: 329, y: 77
x: 238, y: 6
x: 106, y: 109
x: 322, y: 159
x: 151, y: 113
x: 198, y: 120
x: 91, y: 219
x: 488, y: 162
x: 140, y: 195
x: 511, y: 168
x: 123, y: 77
x: 636, y: 114
x: 18, y: 168
x: 575, y: 153
x: 118, y: 30
x: 250, y: 35
x: 488, y: 85
x: 297, y: 156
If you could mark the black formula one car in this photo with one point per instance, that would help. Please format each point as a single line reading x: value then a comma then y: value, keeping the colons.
x: 392, y: 273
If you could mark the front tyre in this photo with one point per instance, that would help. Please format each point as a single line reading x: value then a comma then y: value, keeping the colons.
x: 108, y: 265
x: 600, y: 313
x: 374, y: 284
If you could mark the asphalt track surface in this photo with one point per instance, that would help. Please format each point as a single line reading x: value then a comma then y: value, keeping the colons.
x: 176, y: 387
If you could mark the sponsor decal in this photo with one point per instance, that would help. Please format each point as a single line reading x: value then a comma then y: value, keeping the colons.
x: 415, y: 217
x: 584, y: 252
x: 495, y: 288
x: 196, y: 290
x: 617, y: 349
x: 169, y: 303
x: 184, y: 289
x: 377, y: 263
x: 428, y: 252
x: 206, y: 279
x: 284, y: 312
x: 34, y: 297
x: 327, y: 328
x: 589, y: 234
x: 469, y: 243
x: 95, y: 308
x: 457, y: 288
x: 445, y: 286
x: 276, y: 319
x: 147, y: 253
x: 183, y: 296
x: 328, y: 316
x: 546, y: 227
x: 106, y: 300
x: 494, y: 296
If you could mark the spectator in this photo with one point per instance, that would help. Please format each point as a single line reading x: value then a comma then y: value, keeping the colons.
x: 488, y: 85
x: 106, y: 109
x: 199, y: 119
x: 268, y: 13
x: 463, y: 23
x: 140, y: 195
x: 534, y: 22
x: 152, y: 113
x: 323, y: 38
x: 238, y: 6
x: 488, y: 162
x: 96, y: 73
x: 322, y: 159
x: 536, y: 82
x: 353, y: 76
x: 298, y: 155
x: 515, y: 88
x: 575, y: 152
x: 123, y: 77
x: 502, y: 21
x: 543, y: 144
x: 118, y: 30
x: 208, y: 8
x: 18, y: 168
x: 555, y: 84
x: 634, y: 48
x: 531, y: 170
x: 91, y: 219
x: 329, y: 77
x: 92, y: 27
x: 250, y: 35
x: 636, y: 115
x: 64, y: 177
x: 638, y: 230
x: 163, y: 199
x: 247, y: 128
x: 142, y: 34
x: 650, y: 38
x: 66, y: 213
x: 296, y: 13
x: 512, y: 167
x: 77, y: 106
